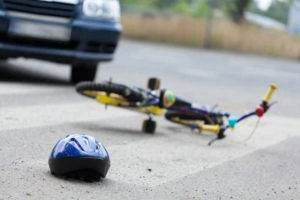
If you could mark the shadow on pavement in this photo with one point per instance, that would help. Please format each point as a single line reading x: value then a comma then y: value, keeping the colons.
x: 77, y: 180
x: 184, y: 130
x: 109, y: 128
x: 15, y: 73
x: 95, y: 127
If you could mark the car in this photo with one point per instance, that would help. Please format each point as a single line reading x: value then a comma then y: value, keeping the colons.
x: 81, y: 33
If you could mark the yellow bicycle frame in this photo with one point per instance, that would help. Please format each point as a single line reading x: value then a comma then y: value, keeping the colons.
x: 155, y: 110
x: 119, y: 101
x: 202, y: 127
x: 111, y: 100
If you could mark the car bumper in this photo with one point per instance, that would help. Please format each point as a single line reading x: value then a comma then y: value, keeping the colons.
x: 89, y: 40
x: 57, y: 55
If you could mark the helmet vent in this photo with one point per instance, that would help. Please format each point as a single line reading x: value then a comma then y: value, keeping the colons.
x: 77, y: 143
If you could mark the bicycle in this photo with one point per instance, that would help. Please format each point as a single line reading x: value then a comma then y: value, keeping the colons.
x: 204, y: 120
x: 155, y: 102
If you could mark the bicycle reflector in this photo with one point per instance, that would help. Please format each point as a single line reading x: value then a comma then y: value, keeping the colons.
x: 232, y: 121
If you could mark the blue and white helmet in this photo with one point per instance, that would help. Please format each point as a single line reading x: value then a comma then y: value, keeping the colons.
x: 77, y: 153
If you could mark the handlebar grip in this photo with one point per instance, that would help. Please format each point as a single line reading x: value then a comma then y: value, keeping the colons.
x: 211, y: 128
x: 269, y: 93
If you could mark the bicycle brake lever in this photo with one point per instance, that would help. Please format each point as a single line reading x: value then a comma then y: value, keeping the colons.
x: 272, y: 104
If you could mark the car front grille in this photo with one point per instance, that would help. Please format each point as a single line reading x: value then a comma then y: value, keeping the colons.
x: 50, y: 8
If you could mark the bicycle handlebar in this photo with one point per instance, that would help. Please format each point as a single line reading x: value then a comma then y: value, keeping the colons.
x: 265, y: 105
x: 269, y: 93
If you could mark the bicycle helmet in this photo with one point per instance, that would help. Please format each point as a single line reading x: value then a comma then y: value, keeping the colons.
x: 79, y: 156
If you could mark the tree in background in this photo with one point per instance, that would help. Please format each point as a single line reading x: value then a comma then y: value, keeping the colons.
x: 197, y: 8
x: 181, y: 6
x: 168, y: 3
x: 200, y: 8
x: 237, y: 9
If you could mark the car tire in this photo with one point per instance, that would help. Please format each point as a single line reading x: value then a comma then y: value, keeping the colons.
x: 83, y: 72
x: 3, y: 58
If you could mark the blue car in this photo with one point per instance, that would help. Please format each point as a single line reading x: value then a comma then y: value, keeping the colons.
x: 77, y: 32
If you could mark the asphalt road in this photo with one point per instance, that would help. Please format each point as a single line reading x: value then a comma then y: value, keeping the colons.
x: 38, y: 106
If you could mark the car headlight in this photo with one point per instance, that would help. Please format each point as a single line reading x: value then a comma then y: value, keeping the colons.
x: 101, y: 8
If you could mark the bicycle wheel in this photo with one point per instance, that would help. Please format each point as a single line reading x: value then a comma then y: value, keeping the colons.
x: 118, y: 91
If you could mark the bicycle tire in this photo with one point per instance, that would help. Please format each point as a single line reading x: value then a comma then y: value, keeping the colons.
x: 91, y: 89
